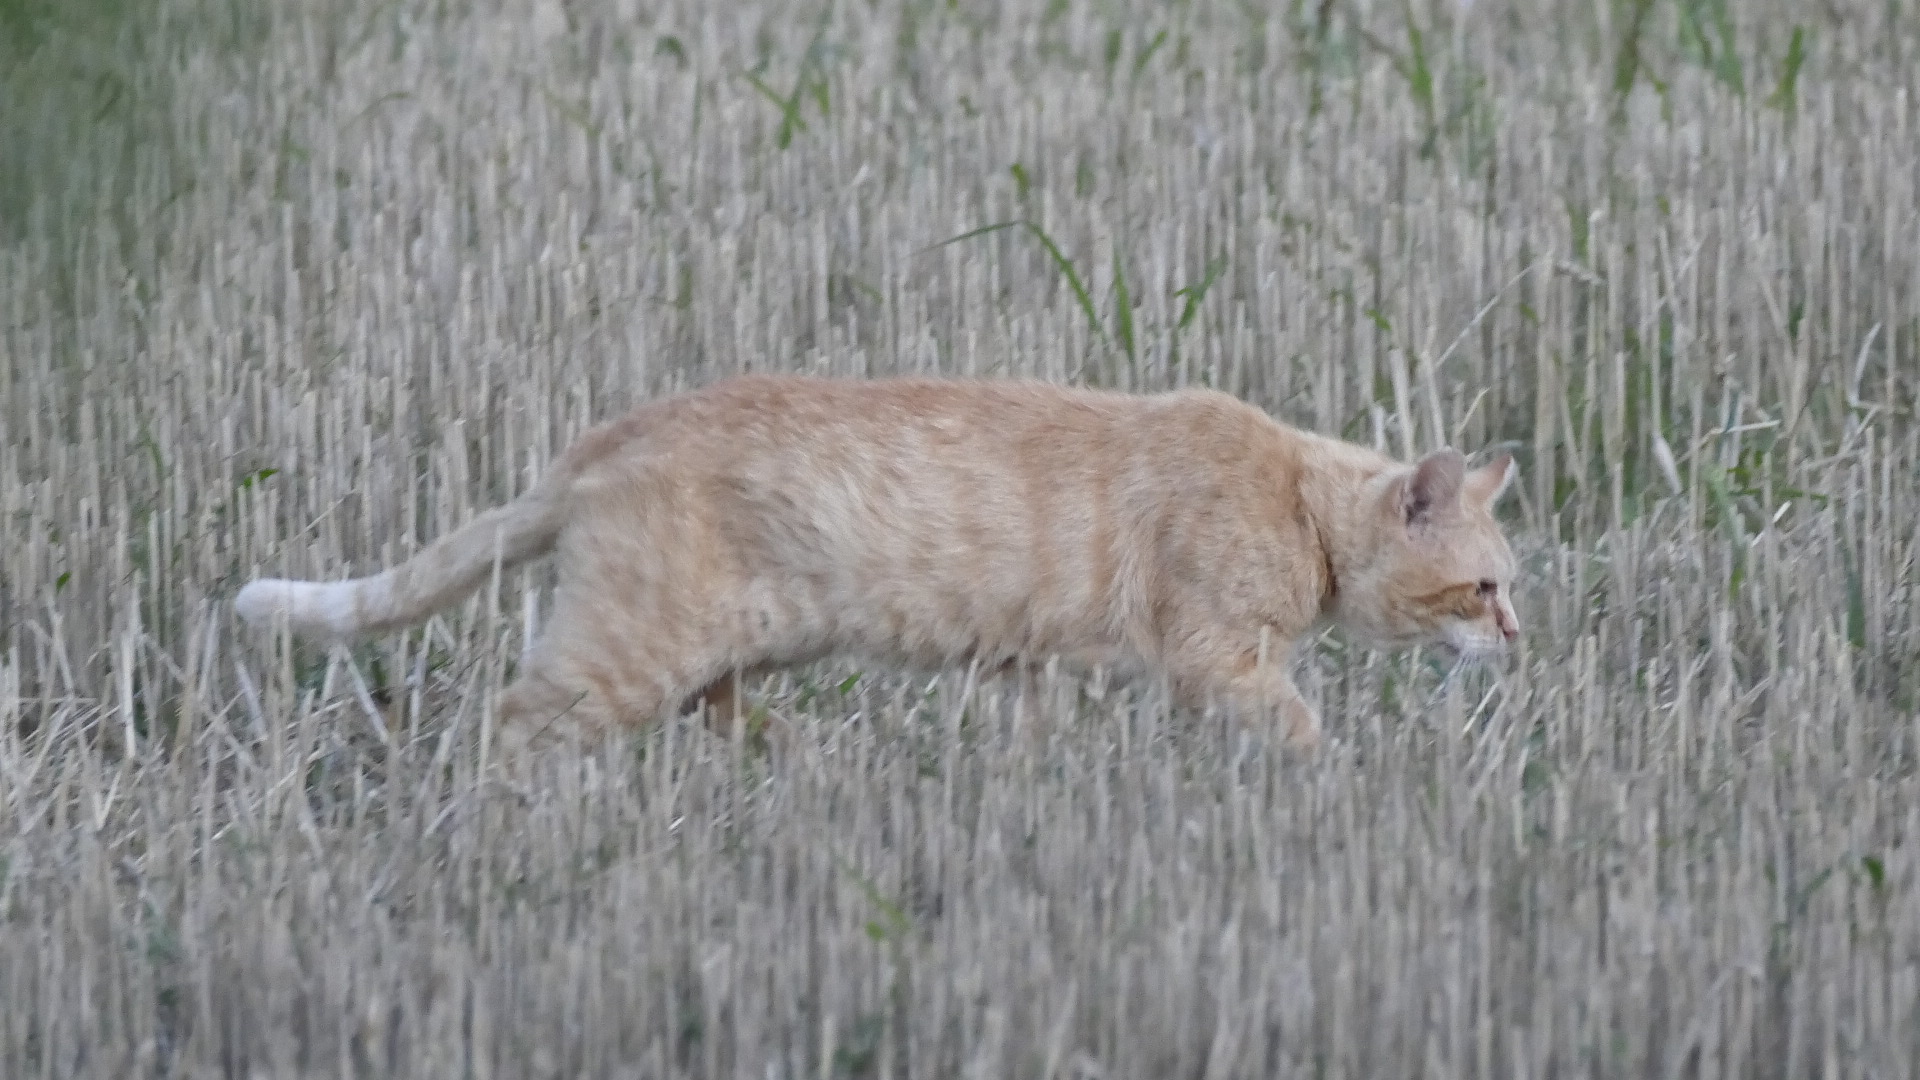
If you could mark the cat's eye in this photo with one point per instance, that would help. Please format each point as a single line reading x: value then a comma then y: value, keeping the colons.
x: 1488, y: 588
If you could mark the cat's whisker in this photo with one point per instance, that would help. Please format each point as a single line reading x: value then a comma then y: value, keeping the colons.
x: 1475, y: 714
x: 1459, y: 660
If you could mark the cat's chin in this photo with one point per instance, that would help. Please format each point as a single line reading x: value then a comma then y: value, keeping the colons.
x: 1472, y: 652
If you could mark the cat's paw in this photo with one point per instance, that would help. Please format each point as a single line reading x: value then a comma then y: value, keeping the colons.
x: 1302, y: 727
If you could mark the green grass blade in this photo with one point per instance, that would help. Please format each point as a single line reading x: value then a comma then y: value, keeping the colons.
x: 1067, y: 269
x: 1195, y: 294
x: 574, y: 114
x: 1626, y: 62
x: 790, y: 119
x: 1073, y: 278
x: 971, y: 234
x: 1141, y: 61
x: 1418, y: 72
x: 1786, y: 94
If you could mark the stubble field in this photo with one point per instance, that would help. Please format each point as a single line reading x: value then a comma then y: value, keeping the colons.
x: 296, y: 288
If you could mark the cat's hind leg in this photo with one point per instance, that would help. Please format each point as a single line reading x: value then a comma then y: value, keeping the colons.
x: 599, y: 668
x: 1249, y: 673
x: 579, y: 695
x: 543, y: 708
x: 656, y: 609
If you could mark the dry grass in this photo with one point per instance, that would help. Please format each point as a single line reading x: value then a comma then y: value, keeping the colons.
x: 294, y: 288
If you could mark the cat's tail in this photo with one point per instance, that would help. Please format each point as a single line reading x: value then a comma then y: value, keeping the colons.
x: 445, y: 571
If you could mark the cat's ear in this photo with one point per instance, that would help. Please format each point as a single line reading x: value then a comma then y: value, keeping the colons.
x: 1434, y: 486
x: 1487, y: 483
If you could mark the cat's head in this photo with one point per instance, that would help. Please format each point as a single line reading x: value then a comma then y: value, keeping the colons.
x: 1433, y: 567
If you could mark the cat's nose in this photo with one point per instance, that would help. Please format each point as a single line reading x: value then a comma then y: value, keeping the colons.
x: 1509, y: 623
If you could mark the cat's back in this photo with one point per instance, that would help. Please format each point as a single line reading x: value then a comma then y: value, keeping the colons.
x: 796, y: 420
x: 883, y: 409
x: 783, y: 428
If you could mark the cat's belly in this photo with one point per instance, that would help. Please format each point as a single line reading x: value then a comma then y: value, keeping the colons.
x: 941, y: 627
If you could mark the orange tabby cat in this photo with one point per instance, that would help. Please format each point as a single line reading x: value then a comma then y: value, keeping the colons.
x: 776, y: 520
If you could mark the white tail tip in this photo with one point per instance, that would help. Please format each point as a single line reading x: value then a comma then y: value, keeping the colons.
x: 310, y: 607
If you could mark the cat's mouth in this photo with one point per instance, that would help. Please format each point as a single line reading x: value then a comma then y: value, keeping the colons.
x: 1473, y: 649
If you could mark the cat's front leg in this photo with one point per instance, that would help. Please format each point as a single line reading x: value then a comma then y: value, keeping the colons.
x: 1253, y: 682
x: 1270, y: 690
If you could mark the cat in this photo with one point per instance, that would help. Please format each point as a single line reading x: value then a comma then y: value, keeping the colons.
x: 772, y: 520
